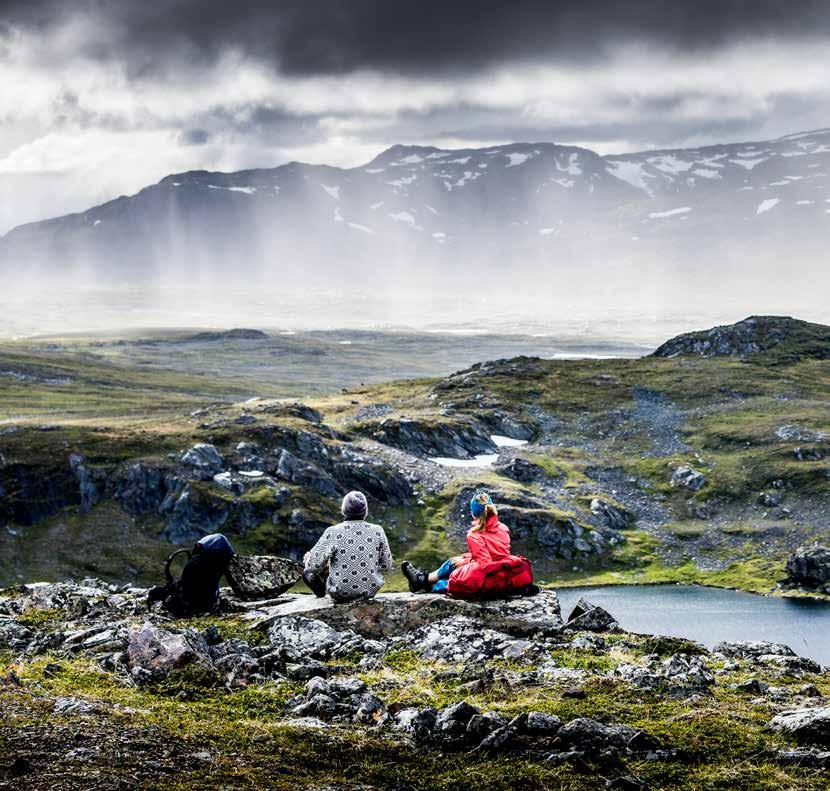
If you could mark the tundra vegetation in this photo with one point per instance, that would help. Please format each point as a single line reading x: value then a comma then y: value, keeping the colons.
x: 707, y: 466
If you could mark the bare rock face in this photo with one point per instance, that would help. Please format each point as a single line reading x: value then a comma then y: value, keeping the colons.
x: 810, y: 567
x: 262, y: 576
x: 397, y: 614
x: 807, y: 725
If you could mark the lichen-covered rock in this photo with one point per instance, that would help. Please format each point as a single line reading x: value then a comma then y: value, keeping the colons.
x: 305, y: 637
x: 462, y: 639
x: 678, y: 674
x: 394, y: 614
x: 154, y: 653
x: 262, y: 576
x: 806, y: 725
x: 587, y: 735
x: 752, y: 649
x: 810, y: 567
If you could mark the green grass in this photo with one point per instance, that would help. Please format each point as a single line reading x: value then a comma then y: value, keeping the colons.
x: 721, y: 739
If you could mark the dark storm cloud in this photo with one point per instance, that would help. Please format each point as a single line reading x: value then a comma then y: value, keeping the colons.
x: 337, y: 36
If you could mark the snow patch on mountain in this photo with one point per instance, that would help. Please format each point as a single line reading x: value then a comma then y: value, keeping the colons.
x: 766, y: 205
x: 657, y: 215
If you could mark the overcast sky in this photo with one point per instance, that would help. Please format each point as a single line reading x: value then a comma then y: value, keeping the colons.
x: 101, y: 97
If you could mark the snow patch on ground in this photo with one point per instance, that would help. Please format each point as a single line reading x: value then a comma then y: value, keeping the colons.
x: 501, y: 441
x: 546, y: 231
x: 334, y: 192
x: 705, y: 173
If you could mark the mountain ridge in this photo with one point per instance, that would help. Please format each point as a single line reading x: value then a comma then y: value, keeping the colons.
x: 675, y: 217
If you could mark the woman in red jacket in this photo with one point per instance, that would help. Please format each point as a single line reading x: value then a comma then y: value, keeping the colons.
x: 487, y: 540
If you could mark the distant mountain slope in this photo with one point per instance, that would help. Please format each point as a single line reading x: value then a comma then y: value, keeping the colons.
x: 673, y: 217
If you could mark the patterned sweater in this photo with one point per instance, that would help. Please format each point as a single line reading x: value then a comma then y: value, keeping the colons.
x: 354, y: 553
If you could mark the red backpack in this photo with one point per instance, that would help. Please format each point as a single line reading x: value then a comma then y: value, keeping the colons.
x: 493, y: 580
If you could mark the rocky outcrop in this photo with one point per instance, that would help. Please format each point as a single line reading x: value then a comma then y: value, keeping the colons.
x: 458, y: 439
x: 751, y: 336
x: 556, y: 536
x: 400, y: 614
x: 809, y: 567
x: 202, y: 462
x: 612, y: 515
x: 806, y: 725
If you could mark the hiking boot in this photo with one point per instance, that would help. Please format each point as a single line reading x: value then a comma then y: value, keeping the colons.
x: 417, y: 579
x: 318, y: 586
x: 531, y: 590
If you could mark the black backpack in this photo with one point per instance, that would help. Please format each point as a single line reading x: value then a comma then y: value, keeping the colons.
x: 196, y: 592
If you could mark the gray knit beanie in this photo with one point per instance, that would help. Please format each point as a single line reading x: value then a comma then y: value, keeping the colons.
x: 355, y: 506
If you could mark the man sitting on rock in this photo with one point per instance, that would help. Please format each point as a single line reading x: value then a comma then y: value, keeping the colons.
x: 348, y: 559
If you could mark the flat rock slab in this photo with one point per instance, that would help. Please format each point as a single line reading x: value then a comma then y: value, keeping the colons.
x: 394, y: 614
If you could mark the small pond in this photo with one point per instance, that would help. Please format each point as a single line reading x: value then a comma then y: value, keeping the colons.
x: 710, y: 615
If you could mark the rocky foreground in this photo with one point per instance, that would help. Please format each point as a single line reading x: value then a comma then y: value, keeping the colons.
x: 405, y: 691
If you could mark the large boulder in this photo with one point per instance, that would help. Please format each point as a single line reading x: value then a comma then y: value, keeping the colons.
x: 807, y: 725
x: 395, y: 614
x: 154, y: 653
x: 810, y: 567
x: 589, y: 617
x: 687, y: 477
x: 305, y: 637
x: 262, y: 576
